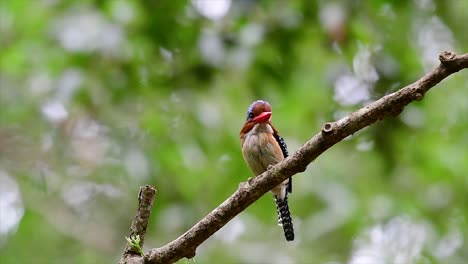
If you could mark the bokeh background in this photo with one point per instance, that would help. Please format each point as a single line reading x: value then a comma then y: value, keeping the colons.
x: 100, y: 97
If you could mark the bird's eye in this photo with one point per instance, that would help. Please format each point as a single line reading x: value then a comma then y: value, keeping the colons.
x: 251, y: 115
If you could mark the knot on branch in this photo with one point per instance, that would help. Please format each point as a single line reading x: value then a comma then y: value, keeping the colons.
x: 191, y: 254
x: 396, y: 110
x: 447, y: 57
x: 328, y: 128
x: 419, y: 94
x: 449, y: 61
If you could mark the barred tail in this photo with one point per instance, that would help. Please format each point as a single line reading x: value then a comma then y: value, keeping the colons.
x: 284, y: 218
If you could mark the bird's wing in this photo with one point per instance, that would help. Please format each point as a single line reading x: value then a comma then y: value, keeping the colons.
x: 284, y: 149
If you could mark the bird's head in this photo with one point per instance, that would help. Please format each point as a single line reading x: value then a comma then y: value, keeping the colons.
x: 259, y: 112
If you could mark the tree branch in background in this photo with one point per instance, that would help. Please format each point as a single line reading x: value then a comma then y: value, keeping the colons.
x: 331, y: 133
x: 132, y: 252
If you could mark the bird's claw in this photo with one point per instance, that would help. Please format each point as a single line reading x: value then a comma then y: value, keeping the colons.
x: 249, y: 180
x: 246, y: 183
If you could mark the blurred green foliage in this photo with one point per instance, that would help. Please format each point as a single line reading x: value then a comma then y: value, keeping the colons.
x: 100, y: 97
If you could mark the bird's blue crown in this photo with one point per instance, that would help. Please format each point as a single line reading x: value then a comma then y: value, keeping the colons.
x: 252, y: 106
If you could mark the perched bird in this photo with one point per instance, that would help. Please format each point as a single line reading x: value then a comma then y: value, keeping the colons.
x: 262, y: 146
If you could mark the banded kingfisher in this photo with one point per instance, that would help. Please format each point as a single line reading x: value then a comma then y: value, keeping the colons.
x: 262, y: 146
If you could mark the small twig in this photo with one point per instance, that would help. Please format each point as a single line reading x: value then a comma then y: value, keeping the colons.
x: 133, y: 252
x: 331, y: 133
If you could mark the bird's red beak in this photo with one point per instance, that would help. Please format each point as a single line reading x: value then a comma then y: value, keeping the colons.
x: 262, y: 118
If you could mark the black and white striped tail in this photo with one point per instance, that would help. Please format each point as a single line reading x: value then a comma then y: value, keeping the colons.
x: 284, y: 218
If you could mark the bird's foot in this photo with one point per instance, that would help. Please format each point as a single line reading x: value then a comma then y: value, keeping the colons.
x: 246, y: 183
x: 249, y: 180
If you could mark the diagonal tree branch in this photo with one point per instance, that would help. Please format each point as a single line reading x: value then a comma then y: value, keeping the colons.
x: 331, y: 133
